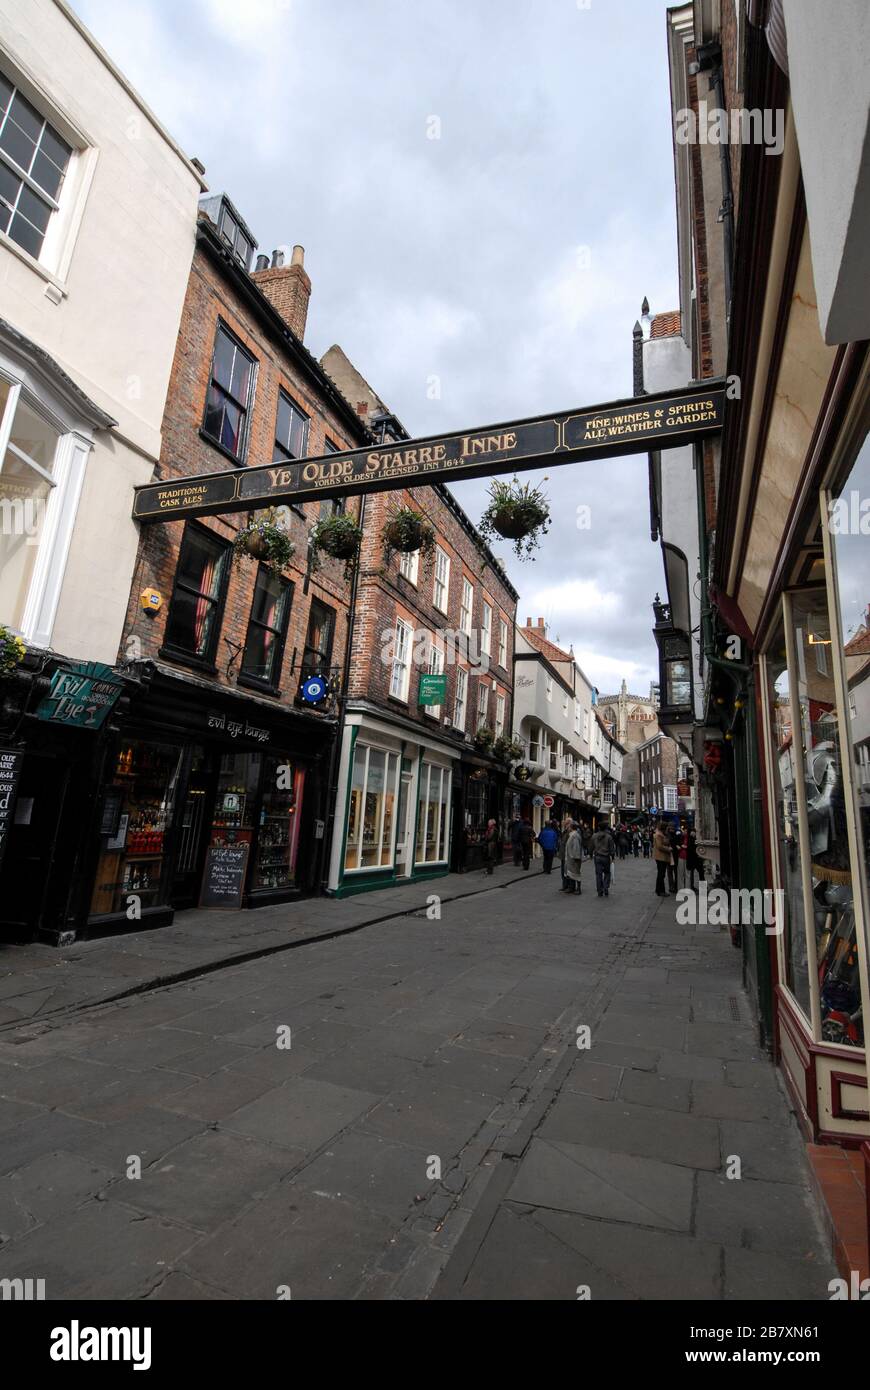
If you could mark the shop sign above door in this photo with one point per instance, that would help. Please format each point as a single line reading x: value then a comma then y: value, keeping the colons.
x: 664, y: 420
x: 81, y: 695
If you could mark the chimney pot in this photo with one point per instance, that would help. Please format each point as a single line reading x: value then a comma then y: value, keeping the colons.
x: 262, y: 263
x: 277, y: 259
x: 540, y: 622
x: 298, y: 257
x: 528, y: 622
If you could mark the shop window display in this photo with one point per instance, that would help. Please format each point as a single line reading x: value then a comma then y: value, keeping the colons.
x: 280, y: 811
x: 233, y: 816
x: 786, y: 816
x: 432, y: 814
x: 476, y: 809
x: 371, y: 815
x: 817, y: 740
x: 136, y: 817
x: 850, y: 544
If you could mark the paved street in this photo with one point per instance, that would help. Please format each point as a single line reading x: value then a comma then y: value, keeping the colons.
x: 416, y: 1045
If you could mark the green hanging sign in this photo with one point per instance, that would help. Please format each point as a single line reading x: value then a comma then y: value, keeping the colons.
x: 433, y: 690
x: 81, y: 695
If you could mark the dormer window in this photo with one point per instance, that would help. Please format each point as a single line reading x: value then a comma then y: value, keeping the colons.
x: 231, y: 229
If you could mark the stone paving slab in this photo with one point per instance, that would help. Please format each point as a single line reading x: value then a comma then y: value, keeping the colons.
x: 411, y: 1040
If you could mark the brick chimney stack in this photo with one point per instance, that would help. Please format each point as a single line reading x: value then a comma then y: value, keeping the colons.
x: 288, y: 288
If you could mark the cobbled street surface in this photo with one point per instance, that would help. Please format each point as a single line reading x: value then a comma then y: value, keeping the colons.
x: 307, y: 1170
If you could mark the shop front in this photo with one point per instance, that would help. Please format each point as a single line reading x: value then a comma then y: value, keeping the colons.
x: 394, y: 805
x: 208, y: 798
x: 816, y: 726
x: 480, y: 795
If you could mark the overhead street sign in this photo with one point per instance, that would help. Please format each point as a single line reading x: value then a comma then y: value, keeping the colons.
x: 661, y: 421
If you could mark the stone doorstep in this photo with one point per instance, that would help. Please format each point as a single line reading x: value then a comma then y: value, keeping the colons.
x: 842, y: 1181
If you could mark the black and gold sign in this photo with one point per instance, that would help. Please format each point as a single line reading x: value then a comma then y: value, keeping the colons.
x: 626, y: 427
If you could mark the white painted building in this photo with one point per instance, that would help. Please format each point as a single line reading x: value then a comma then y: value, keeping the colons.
x: 97, y: 218
x: 569, y: 754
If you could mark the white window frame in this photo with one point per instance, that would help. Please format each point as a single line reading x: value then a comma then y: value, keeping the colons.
x: 55, y: 256
x: 400, y: 676
x: 409, y: 565
x: 500, y: 706
x: 460, y: 698
x: 441, y: 580
x: 486, y: 629
x: 502, y: 643
x: 482, y: 703
x: 549, y: 688
x: 466, y: 607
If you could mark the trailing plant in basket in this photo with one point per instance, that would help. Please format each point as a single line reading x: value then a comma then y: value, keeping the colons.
x: 484, y: 737
x: 406, y: 530
x: 339, y: 536
x: 517, y: 512
x: 264, y: 539
x: 509, y: 750
x: 12, y: 652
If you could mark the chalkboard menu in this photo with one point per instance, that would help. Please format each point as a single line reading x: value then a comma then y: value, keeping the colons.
x: 223, y: 881
x: 10, y: 771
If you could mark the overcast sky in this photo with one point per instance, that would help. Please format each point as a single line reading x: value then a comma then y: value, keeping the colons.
x: 507, y: 258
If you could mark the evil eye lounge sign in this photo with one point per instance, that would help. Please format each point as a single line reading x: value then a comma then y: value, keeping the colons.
x: 659, y: 421
x: 81, y: 695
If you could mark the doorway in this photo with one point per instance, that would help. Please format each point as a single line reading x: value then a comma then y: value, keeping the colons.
x: 405, y: 828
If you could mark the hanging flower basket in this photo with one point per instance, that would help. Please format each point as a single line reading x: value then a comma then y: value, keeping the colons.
x: 517, y: 512
x: 484, y: 738
x: 406, y: 530
x: 508, y: 750
x: 338, y: 536
x: 266, y: 540
x: 12, y: 652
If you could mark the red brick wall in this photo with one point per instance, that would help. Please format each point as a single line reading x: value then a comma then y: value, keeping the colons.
x: 385, y: 595
x: 184, y: 452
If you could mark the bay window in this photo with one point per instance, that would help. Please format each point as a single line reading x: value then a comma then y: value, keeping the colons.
x: 28, y: 480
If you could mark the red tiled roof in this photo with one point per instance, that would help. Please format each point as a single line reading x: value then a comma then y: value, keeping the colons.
x: 544, y: 646
x: 859, y: 645
x: 666, y: 325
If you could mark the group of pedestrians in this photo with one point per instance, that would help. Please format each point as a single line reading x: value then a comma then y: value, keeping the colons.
x: 673, y: 848
x: 675, y: 851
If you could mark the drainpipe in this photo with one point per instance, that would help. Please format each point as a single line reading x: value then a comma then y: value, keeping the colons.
x: 338, y: 741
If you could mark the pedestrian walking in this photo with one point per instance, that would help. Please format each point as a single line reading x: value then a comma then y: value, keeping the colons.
x: 603, y: 850
x: 548, y: 839
x: 673, y: 836
x: 694, y: 862
x: 662, y: 854
x: 490, y: 846
x: 573, y: 861
x: 526, y: 837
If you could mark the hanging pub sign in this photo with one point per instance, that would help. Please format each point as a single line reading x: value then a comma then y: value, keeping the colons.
x: 662, y: 420
x: 10, y: 771
x: 81, y: 695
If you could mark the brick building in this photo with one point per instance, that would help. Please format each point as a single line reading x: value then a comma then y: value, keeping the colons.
x: 215, y: 788
x: 415, y: 789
